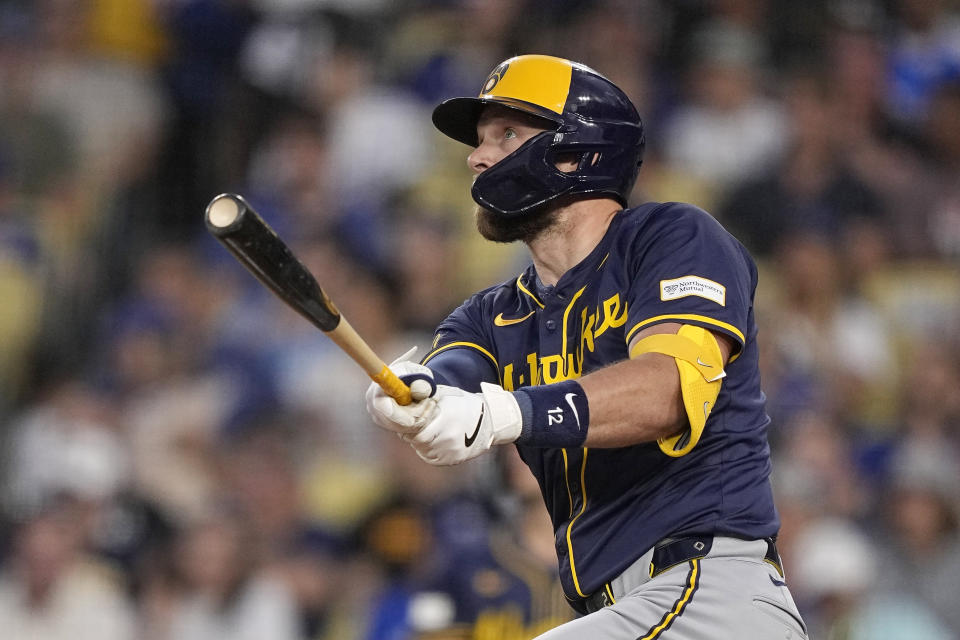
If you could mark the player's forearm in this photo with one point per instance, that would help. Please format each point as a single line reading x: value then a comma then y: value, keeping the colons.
x: 654, y: 396
x: 634, y: 401
x: 627, y: 403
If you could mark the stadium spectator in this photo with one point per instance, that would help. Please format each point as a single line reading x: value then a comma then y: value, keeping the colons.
x: 51, y: 589
x: 728, y: 128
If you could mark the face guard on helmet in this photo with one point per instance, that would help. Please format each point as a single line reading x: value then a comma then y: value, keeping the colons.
x: 589, y: 117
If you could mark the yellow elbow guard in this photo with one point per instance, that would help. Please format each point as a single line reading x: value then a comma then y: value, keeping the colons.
x: 700, y: 364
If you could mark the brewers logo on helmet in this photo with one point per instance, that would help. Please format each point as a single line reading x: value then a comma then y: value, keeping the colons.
x: 587, y: 116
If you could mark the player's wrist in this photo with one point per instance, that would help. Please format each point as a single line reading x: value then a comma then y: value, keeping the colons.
x: 506, y: 419
x: 553, y: 416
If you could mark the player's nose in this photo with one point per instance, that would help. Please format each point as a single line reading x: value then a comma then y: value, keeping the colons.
x: 481, y: 158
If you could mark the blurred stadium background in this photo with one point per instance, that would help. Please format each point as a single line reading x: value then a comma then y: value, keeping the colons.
x: 186, y: 459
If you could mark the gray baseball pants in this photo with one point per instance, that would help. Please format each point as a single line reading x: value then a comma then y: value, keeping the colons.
x: 732, y: 592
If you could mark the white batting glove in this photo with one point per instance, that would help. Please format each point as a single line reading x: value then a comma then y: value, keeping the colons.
x: 389, y: 415
x: 467, y: 424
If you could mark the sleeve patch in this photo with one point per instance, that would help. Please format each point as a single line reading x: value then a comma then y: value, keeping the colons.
x: 693, y: 286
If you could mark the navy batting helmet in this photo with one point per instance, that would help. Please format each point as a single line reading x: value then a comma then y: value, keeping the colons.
x: 589, y: 117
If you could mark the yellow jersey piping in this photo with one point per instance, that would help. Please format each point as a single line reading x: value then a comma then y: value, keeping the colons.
x: 583, y: 493
x: 472, y: 345
x: 688, y: 316
x: 566, y: 479
x: 527, y: 291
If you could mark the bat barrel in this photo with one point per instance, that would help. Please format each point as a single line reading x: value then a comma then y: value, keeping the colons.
x: 252, y: 242
x: 258, y: 248
x: 224, y: 211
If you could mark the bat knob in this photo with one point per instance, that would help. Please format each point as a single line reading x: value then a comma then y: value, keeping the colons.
x: 223, y: 211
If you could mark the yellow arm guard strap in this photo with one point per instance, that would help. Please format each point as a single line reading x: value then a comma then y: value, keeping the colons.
x: 700, y: 364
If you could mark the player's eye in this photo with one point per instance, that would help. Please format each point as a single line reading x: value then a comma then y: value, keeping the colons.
x: 509, y: 134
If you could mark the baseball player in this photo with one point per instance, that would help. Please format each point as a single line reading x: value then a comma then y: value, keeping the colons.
x: 622, y: 364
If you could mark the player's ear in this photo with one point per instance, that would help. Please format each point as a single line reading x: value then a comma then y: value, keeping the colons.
x: 567, y: 162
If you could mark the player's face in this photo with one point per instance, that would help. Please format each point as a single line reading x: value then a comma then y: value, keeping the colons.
x: 500, y: 132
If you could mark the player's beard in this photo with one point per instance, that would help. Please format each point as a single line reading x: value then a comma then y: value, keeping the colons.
x: 493, y: 226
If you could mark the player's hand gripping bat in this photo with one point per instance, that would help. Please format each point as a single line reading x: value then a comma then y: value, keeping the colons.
x: 251, y: 240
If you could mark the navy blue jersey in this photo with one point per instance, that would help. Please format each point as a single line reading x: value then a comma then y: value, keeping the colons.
x: 656, y: 263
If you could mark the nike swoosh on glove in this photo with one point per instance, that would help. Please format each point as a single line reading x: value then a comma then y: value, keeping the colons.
x: 467, y: 424
x: 389, y: 415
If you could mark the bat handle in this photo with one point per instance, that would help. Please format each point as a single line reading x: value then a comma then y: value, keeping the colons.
x: 393, y: 385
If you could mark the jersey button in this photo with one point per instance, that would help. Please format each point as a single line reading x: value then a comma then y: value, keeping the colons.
x: 551, y: 325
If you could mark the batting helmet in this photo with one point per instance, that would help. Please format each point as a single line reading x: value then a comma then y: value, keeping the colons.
x: 588, y: 117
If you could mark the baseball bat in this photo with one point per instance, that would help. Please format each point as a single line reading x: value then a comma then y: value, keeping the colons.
x: 257, y: 247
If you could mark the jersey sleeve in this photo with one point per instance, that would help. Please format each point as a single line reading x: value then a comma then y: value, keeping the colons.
x: 461, y: 353
x: 687, y: 268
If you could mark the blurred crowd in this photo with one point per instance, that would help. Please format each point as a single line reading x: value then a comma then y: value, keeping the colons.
x: 186, y: 459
